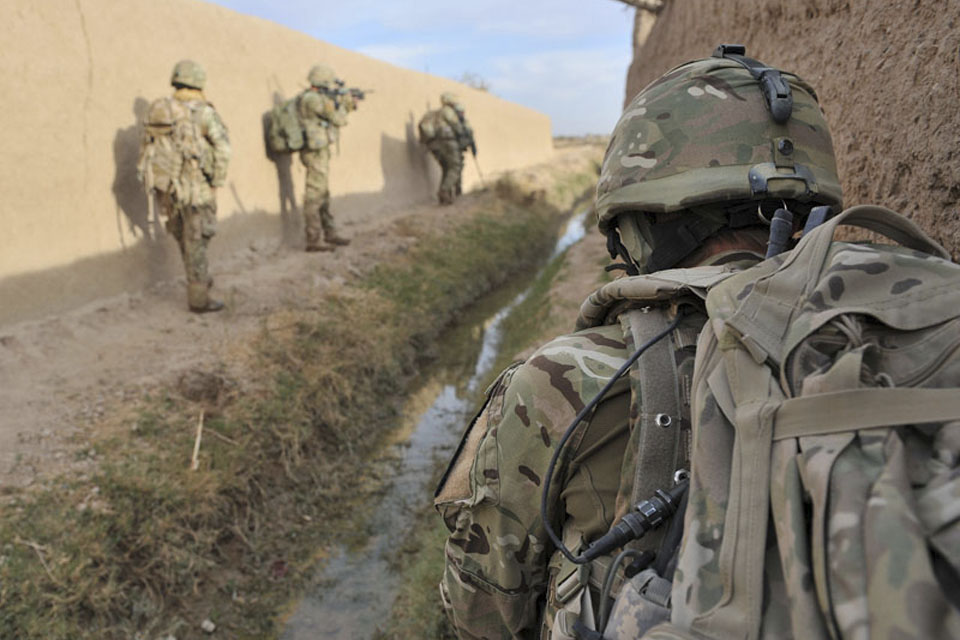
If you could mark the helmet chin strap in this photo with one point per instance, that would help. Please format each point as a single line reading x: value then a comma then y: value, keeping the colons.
x: 616, y: 249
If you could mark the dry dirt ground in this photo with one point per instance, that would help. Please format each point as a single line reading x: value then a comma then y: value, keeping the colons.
x: 65, y: 378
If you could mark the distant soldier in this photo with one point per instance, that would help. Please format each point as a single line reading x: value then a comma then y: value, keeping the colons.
x: 184, y: 155
x: 447, y: 135
x: 323, y: 110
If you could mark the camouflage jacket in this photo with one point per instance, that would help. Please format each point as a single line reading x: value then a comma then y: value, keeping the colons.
x: 499, y: 575
x: 322, y: 116
x: 203, y: 165
x: 216, y: 158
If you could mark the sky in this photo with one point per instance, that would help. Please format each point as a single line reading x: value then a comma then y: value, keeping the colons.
x: 566, y: 58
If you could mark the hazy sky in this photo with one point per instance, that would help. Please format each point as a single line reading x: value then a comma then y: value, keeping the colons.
x: 567, y: 58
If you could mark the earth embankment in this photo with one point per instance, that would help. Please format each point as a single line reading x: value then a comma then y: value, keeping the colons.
x: 888, y: 77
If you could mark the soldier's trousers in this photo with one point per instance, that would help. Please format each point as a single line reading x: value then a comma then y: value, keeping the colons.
x: 448, y: 153
x: 316, y: 199
x: 193, y: 226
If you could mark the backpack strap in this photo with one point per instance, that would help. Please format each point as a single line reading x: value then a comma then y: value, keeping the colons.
x: 869, y: 408
x: 873, y: 218
x: 655, y: 384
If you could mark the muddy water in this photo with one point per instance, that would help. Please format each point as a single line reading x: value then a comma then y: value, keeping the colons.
x: 356, y: 588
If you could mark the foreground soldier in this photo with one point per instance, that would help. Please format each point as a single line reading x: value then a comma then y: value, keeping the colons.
x: 674, y: 199
x: 447, y: 135
x: 184, y: 154
x: 808, y: 410
x: 323, y: 110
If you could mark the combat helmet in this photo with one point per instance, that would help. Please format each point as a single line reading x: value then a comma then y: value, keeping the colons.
x: 321, y: 76
x: 707, y: 146
x: 449, y: 99
x: 188, y: 73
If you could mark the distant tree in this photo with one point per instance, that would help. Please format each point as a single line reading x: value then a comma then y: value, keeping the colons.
x: 474, y: 80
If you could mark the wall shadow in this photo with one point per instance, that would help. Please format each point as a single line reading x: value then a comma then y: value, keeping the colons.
x: 291, y: 224
x: 134, y: 213
x: 408, y: 180
x: 127, y: 191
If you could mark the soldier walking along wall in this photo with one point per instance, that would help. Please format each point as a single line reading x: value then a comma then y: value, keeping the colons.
x: 77, y: 75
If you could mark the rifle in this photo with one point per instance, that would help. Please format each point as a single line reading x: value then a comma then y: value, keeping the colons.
x: 468, y: 137
x: 355, y: 92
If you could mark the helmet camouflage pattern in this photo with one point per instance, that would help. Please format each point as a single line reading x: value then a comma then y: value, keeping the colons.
x: 160, y: 113
x: 321, y: 76
x: 703, y: 134
x: 189, y: 74
x: 449, y: 98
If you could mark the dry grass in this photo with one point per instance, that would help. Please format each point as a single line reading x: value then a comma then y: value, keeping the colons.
x: 148, y: 548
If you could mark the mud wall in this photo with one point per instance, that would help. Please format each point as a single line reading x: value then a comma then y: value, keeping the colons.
x: 76, y: 75
x: 888, y: 77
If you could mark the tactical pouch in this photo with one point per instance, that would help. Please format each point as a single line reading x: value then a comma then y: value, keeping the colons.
x: 316, y: 136
x: 643, y: 603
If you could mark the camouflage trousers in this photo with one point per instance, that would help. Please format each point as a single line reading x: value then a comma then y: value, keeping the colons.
x: 317, y: 219
x: 448, y: 153
x: 192, y: 226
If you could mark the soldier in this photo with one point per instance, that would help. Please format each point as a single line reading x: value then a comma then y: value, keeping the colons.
x: 184, y: 154
x: 323, y: 110
x: 697, y: 163
x: 447, y: 135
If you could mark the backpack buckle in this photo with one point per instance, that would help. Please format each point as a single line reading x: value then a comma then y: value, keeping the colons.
x: 571, y: 585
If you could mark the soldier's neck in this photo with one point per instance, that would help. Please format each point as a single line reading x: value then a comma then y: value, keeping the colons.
x: 186, y: 94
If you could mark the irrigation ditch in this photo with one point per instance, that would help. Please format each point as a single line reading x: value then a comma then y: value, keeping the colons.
x: 355, y: 592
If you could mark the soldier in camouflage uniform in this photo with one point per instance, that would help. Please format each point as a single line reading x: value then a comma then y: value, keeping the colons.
x: 183, y: 160
x: 323, y: 110
x: 695, y: 167
x: 447, y: 135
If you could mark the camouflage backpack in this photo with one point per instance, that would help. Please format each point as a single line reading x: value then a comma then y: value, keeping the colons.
x: 824, y: 496
x: 285, y: 130
x: 172, y: 140
x: 429, y: 126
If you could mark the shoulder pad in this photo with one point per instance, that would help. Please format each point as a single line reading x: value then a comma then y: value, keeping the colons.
x: 671, y: 285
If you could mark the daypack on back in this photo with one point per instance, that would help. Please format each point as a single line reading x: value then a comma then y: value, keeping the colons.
x: 429, y: 126
x: 172, y: 142
x: 285, y: 130
x: 825, y: 488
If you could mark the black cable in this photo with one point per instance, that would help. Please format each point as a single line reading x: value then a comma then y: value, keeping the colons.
x: 573, y: 425
x: 671, y: 541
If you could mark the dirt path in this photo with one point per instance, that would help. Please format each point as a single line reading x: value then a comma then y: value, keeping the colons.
x: 62, y: 378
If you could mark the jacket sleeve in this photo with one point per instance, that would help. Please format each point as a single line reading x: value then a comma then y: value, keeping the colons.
x: 219, y: 139
x: 495, y: 568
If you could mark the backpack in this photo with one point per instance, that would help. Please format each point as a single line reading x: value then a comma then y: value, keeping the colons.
x: 824, y: 497
x: 171, y: 145
x: 429, y: 126
x: 285, y: 129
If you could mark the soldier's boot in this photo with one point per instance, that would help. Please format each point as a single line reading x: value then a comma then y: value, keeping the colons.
x: 199, y: 300
x: 332, y: 237
x: 312, y: 248
x: 337, y: 240
x: 330, y: 228
x: 445, y: 197
x: 313, y: 240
